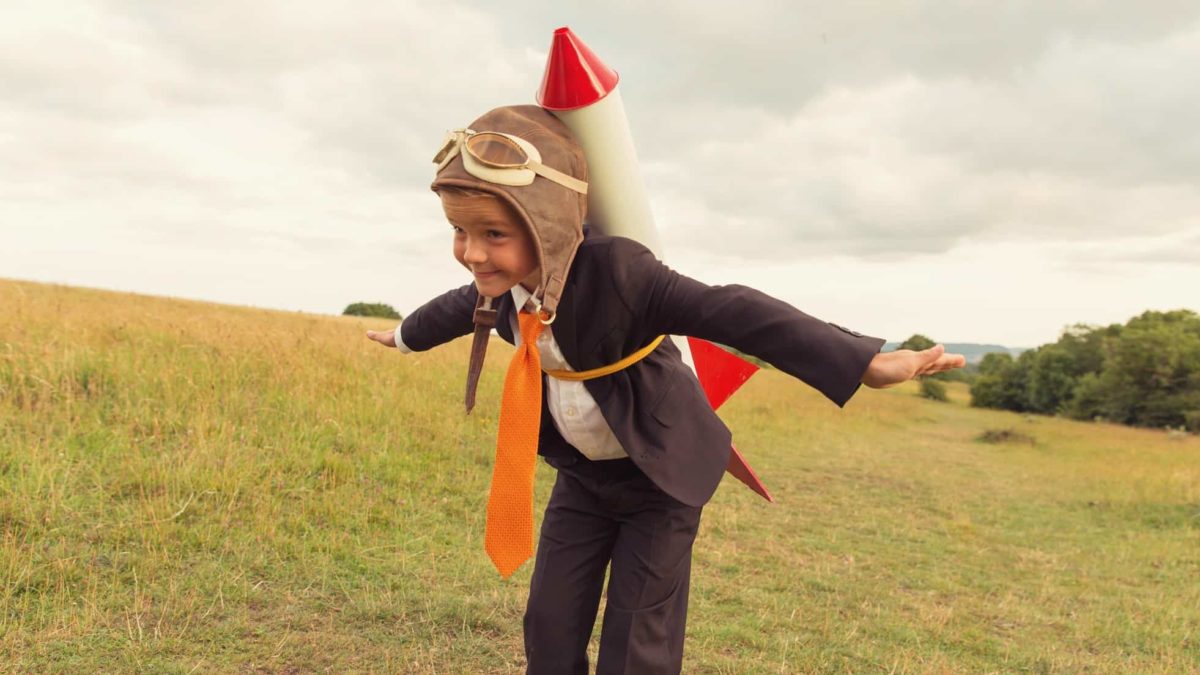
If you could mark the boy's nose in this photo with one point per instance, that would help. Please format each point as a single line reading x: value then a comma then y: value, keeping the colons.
x: 474, y: 253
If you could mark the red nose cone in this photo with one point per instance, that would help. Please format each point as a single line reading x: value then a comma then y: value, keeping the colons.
x: 575, y: 77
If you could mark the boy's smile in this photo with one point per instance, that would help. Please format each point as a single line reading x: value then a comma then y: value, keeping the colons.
x: 491, y: 242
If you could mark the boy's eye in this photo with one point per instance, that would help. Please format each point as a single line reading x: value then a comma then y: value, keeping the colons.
x: 456, y: 229
x: 496, y: 234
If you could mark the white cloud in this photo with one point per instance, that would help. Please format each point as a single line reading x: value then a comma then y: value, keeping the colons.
x: 1094, y: 141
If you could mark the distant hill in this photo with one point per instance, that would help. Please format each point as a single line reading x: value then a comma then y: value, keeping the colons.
x: 973, y: 352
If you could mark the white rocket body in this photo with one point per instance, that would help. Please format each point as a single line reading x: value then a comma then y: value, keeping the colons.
x: 618, y: 204
x: 617, y: 201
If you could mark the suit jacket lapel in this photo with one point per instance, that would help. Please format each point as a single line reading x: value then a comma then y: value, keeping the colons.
x: 565, y: 327
x: 504, y: 310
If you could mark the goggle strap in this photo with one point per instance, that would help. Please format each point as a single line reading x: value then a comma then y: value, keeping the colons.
x: 449, y: 149
x: 559, y: 177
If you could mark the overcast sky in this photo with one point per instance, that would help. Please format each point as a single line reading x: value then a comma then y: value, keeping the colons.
x: 983, y: 172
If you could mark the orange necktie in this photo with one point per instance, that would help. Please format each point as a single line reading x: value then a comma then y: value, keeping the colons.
x: 509, y: 535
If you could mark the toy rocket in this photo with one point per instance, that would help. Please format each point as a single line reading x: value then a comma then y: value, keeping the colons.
x: 582, y: 92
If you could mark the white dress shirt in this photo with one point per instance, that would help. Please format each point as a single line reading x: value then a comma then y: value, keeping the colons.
x: 575, y: 413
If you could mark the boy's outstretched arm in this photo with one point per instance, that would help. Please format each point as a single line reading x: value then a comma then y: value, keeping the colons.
x: 442, y: 319
x: 831, y: 359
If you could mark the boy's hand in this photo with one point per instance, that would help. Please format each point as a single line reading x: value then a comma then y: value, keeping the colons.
x: 888, y: 369
x: 387, y: 338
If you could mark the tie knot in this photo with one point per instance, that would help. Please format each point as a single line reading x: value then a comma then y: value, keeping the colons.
x: 531, y: 326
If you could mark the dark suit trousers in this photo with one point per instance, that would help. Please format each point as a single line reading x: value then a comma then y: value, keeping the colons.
x: 602, y: 511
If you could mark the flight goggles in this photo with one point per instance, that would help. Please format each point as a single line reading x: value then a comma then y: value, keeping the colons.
x: 501, y: 158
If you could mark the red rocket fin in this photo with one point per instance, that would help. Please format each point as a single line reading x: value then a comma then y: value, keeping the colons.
x: 575, y: 76
x: 739, y: 469
x: 721, y: 373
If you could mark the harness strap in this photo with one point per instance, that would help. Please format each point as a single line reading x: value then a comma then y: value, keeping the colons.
x: 581, y: 375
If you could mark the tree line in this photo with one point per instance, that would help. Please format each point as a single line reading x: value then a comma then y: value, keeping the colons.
x: 1143, y: 373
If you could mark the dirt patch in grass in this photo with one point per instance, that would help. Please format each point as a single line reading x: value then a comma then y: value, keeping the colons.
x: 997, y: 436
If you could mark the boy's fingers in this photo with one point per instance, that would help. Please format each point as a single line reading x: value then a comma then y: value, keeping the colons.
x: 926, y: 359
x: 384, y: 338
x: 942, y: 362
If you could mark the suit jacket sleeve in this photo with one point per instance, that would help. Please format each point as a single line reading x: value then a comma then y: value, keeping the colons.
x: 825, y: 356
x: 448, y: 316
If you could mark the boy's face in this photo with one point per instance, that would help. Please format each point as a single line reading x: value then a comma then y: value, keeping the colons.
x: 491, y: 243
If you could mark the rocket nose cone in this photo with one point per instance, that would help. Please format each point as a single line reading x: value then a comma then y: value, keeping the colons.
x: 575, y: 76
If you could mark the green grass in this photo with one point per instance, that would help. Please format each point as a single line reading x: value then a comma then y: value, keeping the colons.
x: 188, y: 487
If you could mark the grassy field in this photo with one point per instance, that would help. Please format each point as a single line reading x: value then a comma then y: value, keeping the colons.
x: 188, y: 487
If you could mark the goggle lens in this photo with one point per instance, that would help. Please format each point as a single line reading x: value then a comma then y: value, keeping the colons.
x: 496, y: 150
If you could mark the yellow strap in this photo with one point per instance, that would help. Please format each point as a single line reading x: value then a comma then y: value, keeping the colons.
x: 581, y: 375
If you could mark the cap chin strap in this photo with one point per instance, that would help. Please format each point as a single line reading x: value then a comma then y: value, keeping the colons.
x: 485, y: 321
x: 537, y: 307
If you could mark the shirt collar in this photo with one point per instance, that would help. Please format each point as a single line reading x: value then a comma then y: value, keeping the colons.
x: 520, y: 296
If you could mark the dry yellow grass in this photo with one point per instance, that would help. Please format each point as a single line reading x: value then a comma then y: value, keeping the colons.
x: 187, y: 486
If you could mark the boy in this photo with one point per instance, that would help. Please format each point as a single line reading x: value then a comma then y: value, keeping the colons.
x: 637, y: 447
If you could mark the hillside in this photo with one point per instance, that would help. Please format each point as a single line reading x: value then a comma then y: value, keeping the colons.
x: 188, y: 487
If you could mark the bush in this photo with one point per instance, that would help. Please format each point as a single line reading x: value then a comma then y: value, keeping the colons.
x: 997, y: 436
x: 917, y: 343
x: 376, y: 309
x: 966, y: 374
x: 932, y: 389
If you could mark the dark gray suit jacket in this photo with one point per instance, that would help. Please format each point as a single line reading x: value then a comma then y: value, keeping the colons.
x: 618, y: 298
